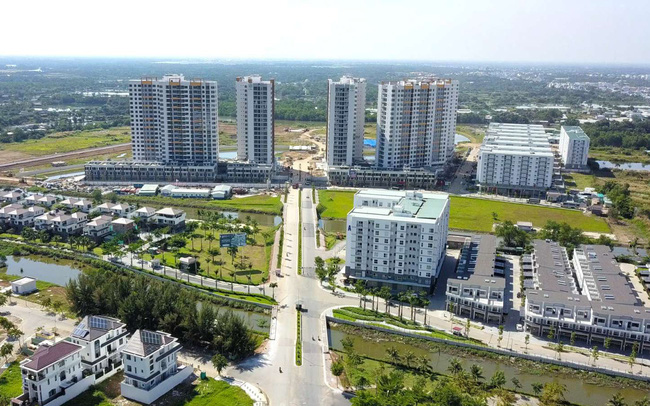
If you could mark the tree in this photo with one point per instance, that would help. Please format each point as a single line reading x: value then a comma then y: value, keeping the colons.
x: 537, y: 388
x: 594, y: 354
x: 455, y: 366
x: 392, y: 354
x: 643, y: 402
x: 632, y: 358
x: 409, y: 357
x: 617, y: 400
x: 6, y: 350
x: 385, y: 294
x: 559, y: 348
x: 273, y: 286
x: 233, y: 253
x: 572, y: 340
x: 97, y: 196
x: 516, y: 383
x: 608, y: 342
x: 337, y: 368
x: 3, y: 300
x: 468, y: 325
x: 527, y: 341
x: 500, y: 337
x: 476, y: 373
x: 219, y: 362
x: 551, y: 333
x: 512, y: 235
x: 553, y: 393
x: 498, y: 380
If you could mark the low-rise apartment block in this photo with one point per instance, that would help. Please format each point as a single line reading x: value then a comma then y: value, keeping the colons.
x: 596, y: 302
x: 358, y: 176
x: 397, y: 238
x: 515, y: 158
x: 574, y: 147
x: 116, y: 209
x: 477, y: 288
x: 151, y: 368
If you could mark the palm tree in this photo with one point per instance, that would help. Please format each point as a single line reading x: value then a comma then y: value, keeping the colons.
x: 455, y: 366
x: 210, y: 238
x: 616, y: 400
x: 476, y: 373
x: 537, y: 388
x: 424, y: 303
x: 385, y: 294
x: 393, y: 354
x: 232, y: 282
x: 273, y: 286
x: 423, y: 363
x: 408, y: 358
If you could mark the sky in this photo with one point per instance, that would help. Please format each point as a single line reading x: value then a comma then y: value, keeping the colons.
x: 549, y: 31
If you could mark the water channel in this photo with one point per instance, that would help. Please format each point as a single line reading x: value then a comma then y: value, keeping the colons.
x: 60, y: 275
x: 627, y: 166
x: 579, y: 390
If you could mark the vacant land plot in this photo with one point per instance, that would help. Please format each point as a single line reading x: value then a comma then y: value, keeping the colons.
x: 69, y: 141
x: 335, y: 203
x: 253, y: 204
x: 475, y: 133
x: 476, y: 214
x: 11, y: 381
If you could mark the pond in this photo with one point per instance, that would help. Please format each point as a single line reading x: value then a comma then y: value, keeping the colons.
x: 42, y: 271
x: 578, y: 390
x: 630, y: 166
x: 265, y: 220
x: 333, y: 225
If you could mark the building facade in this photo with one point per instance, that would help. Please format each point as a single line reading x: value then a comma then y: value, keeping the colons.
x: 363, y: 176
x: 588, y: 296
x: 174, y: 120
x: 255, y: 119
x: 574, y: 147
x: 397, y: 238
x: 151, y: 368
x: 477, y: 288
x: 346, y: 117
x: 102, y: 339
x: 515, y: 157
x: 416, y: 123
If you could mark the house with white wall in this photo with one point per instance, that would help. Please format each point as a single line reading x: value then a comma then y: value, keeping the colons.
x: 151, y: 368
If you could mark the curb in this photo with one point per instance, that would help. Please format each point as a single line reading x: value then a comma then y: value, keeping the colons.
x: 254, y: 392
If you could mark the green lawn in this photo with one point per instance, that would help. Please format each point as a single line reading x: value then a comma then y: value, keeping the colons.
x: 11, y: 381
x: 71, y: 141
x: 211, y: 392
x: 335, y: 203
x: 476, y: 214
x: 253, y: 204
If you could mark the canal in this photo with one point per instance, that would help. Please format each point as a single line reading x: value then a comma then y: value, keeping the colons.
x: 579, y: 390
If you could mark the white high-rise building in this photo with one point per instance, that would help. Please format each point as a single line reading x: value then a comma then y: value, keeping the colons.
x: 574, y: 147
x: 346, y: 101
x: 416, y: 123
x: 255, y: 111
x: 397, y: 238
x: 515, y: 157
x: 174, y: 120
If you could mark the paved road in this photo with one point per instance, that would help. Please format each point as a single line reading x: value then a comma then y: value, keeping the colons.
x: 304, y: 385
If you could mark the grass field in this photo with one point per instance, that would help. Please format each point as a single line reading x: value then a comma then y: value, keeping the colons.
x: 11, y: 381
x: 619, y: 155
x: 337, y: 203
x: 253, y: 204
x: 212, y: 392
x: 475, y: 133
x: 70, y: 141
x: 476, y: 214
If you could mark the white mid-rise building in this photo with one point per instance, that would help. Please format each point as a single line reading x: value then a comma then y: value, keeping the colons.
x: 174, y: 120
x: 150, y: 366
x: 346, y: 101
x: 416, y: 123
x: 255, y: 122
x: 515, y: 157
x: 397, y: 238
x: 574, y: 147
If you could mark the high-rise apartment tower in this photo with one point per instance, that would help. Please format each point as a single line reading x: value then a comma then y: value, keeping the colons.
x: 174, y: 120
x: 346, y: 100
x: 255, y: 110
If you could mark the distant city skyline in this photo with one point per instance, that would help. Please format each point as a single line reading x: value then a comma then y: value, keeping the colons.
x: 511, y: 31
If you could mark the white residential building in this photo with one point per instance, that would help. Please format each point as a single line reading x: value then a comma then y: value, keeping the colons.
x: 151, y: 368
x: 173, y: 218
x: 102, y: 339
x: 515, y: 157
x: 23, y: 286
x: 40, y: 199
x: 397, y: 238
x: 255, y: 119
x: 53, y: 375
x: 145, y: 212
x: 99, y: 227
x: 416, y: 123
x: 574, y: 147
x: 174, y: 120
x: 346, y: 117
x: 24, y: 217
x: 73, y: 203
x: 12, y: 197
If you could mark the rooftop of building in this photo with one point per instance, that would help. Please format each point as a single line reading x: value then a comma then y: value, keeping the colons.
x: 553, y: 269
x: 92, y: 327
x: 426, y: 81
x: 477, y: 262
x: 23, y: 281
x: 407, y: 204
x: 47, y: 355
x: 575, y: 132
x: 169, y: 211
x: 145, y: 342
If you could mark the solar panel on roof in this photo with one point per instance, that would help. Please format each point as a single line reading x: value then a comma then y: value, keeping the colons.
x: 80, y: 330
x: 98, y: 322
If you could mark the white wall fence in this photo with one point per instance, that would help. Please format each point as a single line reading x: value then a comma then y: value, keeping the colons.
x: 149, y: 396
